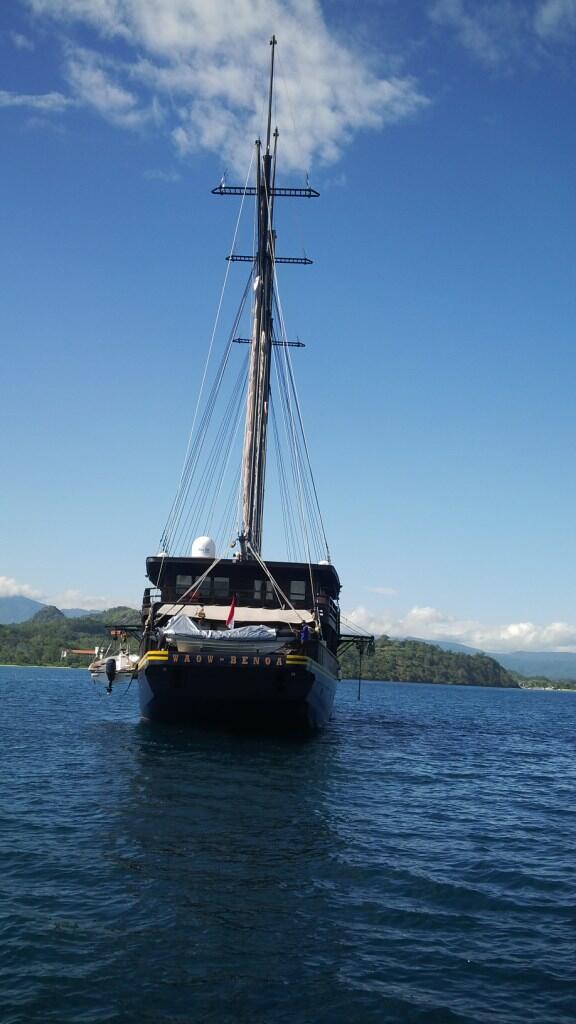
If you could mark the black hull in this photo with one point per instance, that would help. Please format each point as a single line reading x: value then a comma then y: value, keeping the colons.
x: 274, y: 695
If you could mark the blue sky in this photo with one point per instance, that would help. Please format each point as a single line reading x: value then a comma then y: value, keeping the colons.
x: 438, y: 379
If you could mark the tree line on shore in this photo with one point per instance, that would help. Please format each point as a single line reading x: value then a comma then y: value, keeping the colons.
x: 413, y: 661
x: 42, y: 640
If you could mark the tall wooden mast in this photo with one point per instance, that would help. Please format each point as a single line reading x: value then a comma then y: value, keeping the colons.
x: 257, y: 408
x: 261, y: 340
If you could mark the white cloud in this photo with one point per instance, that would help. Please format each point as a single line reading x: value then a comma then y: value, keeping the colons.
x: 94, y: 86
x: 77, y: 599
x: 432, y: 624
x: 490, y: 31
x: 155, y: 174
x: 336, y: 181
x: 206, y: 62
x: 71, y: 598
x: 21, y: 42
x: 498, y: 30
x: 36, y: 123
x: 10, y: 588
x: 102, y: 11
x: 48, y: 103
x: 555, y: 18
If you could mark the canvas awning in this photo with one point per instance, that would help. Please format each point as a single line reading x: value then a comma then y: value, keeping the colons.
x: 219, y: 613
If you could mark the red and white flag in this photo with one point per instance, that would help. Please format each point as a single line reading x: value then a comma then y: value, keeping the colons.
x: 231, y: 611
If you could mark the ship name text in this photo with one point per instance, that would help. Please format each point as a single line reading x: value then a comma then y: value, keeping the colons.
x: 235, y: 660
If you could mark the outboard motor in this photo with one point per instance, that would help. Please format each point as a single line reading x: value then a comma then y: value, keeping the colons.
x: 110, y: 673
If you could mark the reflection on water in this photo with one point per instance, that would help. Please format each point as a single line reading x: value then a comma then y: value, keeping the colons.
x: 413, y: 863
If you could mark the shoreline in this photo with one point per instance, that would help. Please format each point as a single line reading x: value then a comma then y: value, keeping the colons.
x: 560, y: 689
x: 13, y: 664
x: 542, y: 689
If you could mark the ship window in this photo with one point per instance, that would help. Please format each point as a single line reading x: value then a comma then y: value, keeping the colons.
x: 182, y: 584
x: 221, y: 586
x: 259, y: 591
x: 297, y: 590
x: 203, y: 590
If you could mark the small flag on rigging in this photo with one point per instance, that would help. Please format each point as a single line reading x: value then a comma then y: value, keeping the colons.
x: 231, y: 611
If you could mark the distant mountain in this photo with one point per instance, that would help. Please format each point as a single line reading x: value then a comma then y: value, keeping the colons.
x: 21, y: 609
x: 548, y: 664
x: 18, y: 609
x: 551, y: 665
x: 452, y: 645
x: 79, y: 613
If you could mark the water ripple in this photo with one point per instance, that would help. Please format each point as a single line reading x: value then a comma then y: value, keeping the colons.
x: 413, y: 864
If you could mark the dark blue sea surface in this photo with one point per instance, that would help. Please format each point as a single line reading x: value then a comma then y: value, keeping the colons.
x: 415, y: 863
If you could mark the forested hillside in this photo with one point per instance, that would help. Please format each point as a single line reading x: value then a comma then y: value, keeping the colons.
x: 413, y: 661
x: 41, y: 640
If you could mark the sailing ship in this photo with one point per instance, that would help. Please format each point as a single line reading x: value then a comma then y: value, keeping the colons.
x: 237, y: 639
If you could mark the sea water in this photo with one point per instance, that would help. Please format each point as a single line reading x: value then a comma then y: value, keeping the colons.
x: 415, y: 862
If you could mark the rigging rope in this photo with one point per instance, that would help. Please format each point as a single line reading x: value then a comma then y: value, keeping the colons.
x: 211, y: 345
x: 354, y: 626
x: 211, y: 476
x: 316, y: 529
x: 225, y: 532
x: 207, y: 459
x: 285, y: 505
x: 197, y: 583
x: 292, y: 380
x: 236, y: 423
x: 202, y: 430
x: 275, y: 586
x: 291, y: 418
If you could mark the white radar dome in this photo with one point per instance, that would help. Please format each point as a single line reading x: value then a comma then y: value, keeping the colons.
x: 203, y: 547
x: 324, y: 561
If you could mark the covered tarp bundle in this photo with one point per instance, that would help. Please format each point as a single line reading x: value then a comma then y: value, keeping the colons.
x: 181, y: 626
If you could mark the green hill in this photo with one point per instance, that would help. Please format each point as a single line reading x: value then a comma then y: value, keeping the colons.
x: 413, y: 661
x: 41, y: 640
x: 50, y: 613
